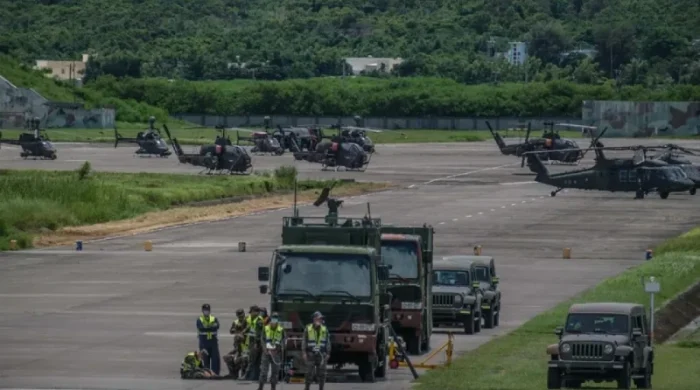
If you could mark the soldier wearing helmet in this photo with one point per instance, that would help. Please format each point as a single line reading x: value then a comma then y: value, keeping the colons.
x: 192, y: 366
x: 316, y: 350
x: 237, y: 360
x: 208, y: 330
x: 254, y: 323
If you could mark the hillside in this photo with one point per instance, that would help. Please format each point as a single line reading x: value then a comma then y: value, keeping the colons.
x: 24, y: 77
x: 649, y: 41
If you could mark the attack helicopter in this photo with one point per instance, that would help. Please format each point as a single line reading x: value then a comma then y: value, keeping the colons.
x: 357, y: 134
x: 33, y: 144
x: 337, y: 153
x: 556, y: 148
x: 295, y: 138
x: 150, y: 141
x: 263, y: 142
x: 639, y: 175
x: 220, y: 157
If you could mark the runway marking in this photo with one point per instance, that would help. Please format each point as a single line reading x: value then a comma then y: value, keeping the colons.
x: 512, y: 204
x: 493, y: 209
x: 503, y: 207
x: 515, y: 183
x: 442, y: 223
x: 59, y: 295
x: 411, y: 186
x: 481, y: 212
x: 523, y: 201
x: 74, y: 160
x: 454, y: 220
x: 468, y: 173
x: 468, y: 216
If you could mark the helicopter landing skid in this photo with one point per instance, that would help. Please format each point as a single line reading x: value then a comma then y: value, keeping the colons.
x: 555, y: 192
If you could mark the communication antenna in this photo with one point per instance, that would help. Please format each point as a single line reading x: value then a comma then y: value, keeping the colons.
x: 296, y: 210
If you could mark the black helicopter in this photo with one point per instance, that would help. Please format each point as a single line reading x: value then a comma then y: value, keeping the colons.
x: 356, y: 134
x: 337, y: 153
x: 295, y: 138
x: 33, y: 144
x: 263, y: 142
x: 556, y: 148
x: 220, y: 157
x: 639, y: 175
x: 150, y: 141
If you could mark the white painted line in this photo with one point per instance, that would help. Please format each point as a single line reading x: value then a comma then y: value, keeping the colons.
x: 481, y: 212
x: 493, y: 209
x: 523, y: 201
x: 442, y: 223
x: 74, y: 160
x: 515, y: 183
x: 532, y: 199
x: 468, y: 216
x: 512, y: 204
x: 411, y: 186
x: 503, y: 207
x: 59, y: 295
x: 469, y: 173
x: 454, y: 220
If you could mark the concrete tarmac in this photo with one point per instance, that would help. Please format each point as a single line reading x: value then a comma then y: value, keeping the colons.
x: 116, y: 317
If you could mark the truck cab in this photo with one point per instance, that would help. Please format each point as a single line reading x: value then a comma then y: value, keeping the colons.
x: 408, y: 258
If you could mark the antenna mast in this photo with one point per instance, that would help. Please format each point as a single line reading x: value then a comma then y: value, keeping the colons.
x: 296, y: 211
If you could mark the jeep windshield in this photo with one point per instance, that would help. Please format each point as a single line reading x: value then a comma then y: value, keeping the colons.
x: 482, y: 274
x: 450, y: 278
x: 323, y: 275
x: 597, y: 323
x: 402, y: 257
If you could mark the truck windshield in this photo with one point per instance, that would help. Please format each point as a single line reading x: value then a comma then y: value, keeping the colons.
x: 450, y: 278
x: 319, y: 273
x: 402, y: 256
x: 482, y: 274
x: 597, y: 323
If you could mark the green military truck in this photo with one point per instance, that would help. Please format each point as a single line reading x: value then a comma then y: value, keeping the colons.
x: 332, y: 267
x: 408, y: 254
x: 602, y: 342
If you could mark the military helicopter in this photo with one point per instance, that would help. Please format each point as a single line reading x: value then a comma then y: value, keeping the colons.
x: 337, y: 153
x: 356, y: 134
x: 557, y: 148
x: 639, y: 175
x: 220, y: 157
x: 33, y: 144
x: 295, y: 138
x: 263, y: 142
x: 150, y: 141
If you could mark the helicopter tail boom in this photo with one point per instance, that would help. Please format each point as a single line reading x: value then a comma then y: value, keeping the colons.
x: 536, y: 166
x: 499, y: 140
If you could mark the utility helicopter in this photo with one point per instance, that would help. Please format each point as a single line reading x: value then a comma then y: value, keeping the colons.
x: 556, y: 148
x: 295, y: 138
x: 639, y: 175
x: 220, y: 157
x: 33, y: 144
x: 150, y: 141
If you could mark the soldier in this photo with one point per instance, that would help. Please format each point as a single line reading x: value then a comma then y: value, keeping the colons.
x: 273, y: 340
x: 232, y: 359
x: 238, y: 360
x: 192, y: 366
x: 207, y: 330
x: 316, y: 347
x: 254, y: 323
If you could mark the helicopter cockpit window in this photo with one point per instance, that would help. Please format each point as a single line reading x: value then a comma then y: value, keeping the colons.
x: 571, y: 144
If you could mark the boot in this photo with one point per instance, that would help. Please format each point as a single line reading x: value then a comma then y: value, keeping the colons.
x: 260, y: 386
x: 320, y: 385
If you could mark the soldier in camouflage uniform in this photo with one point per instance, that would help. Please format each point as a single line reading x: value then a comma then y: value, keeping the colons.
x: 192, y: 367
x: 237, y: 359
x: 254, y: 324
x: 273, y: 352
x: 316, y: 347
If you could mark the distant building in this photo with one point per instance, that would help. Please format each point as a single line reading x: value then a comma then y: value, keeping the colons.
x: 64, y: 70
x: 517, y: 53
x: 368, y: 64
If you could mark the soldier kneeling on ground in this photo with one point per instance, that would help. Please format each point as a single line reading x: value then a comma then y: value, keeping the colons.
x: 237, y: 360
x: 193, y: 368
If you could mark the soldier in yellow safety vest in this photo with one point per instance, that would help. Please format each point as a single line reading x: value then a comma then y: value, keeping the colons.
x: 192, y: 367
x: 273, y: 342
x: 254, y: 324
x: 237, y: 360
x: 316, y: 349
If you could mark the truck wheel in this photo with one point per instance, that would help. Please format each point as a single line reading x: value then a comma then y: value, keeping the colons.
x: 380, y: 371
x: 366, y: 371
x: 490, y: 318
x: 553, y: 378
x: 415, y: 344
x: 497, y: 318
x: 469, y: 324
x: 477, y: 323
x: 625, y: 377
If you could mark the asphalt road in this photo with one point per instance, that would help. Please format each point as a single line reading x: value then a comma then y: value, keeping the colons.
x: 116, y: 317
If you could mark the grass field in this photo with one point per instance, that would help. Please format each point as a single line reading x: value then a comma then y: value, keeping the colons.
x: 39, y: 202
x: 518, y: 360
x: 188, y: 134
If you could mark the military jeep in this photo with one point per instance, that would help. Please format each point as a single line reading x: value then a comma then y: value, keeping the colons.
x: 457, y: 295
x: 602, y: 342
x: 486, y: 276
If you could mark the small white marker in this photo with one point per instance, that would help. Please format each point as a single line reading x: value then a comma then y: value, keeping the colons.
x: 523, y: 201
x: 411, y: 186
x: 493, y: 209
x: 481, y: 212
x: 512, y: 204
x: 442, y: 223
x: 454, y: 220
x: 503, y: 207
x: 468, y: 216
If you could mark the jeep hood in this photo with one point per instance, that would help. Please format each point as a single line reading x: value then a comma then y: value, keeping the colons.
x: 596, y: 337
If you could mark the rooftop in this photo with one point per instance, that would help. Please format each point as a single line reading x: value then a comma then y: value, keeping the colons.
x: 604, y: 307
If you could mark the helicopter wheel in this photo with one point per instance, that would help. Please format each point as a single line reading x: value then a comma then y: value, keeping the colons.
x: 53, y: 156
x: 640, y: 194
x: 553, y: 193
x: 692, y: 191
x: 663, y: 195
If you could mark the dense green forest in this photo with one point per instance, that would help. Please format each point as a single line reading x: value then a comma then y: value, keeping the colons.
x: 646, y: 42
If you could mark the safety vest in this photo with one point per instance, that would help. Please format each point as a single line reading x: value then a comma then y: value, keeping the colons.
x: 252, y: 322
x: 207, y: 324
x: 273, y: 336
x: 317, y: 339
x: 191, y: 362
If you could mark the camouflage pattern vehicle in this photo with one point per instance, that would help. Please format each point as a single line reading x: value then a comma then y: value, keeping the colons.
x: 408, y: 253
x: 486, y: 276
x: 602, y: 342
x: 457, y: 295
x: 334, y: 268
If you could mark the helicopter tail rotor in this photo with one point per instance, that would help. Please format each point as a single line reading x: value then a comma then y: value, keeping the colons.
x: 527, y: 135
x: 117, y: 137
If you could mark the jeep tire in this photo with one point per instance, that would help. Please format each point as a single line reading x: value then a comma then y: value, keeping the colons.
x: 624, y: 378
x: 469, y: 324
x: 644, y: 383
x: 477, y: 323
x: 490, y: 318
x: 553, y: 378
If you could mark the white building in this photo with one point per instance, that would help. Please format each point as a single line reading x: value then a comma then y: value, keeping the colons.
x: 359, y: 64
x: 517, y: 53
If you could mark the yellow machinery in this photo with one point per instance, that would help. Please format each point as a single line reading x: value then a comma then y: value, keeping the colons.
x: 394, y: 362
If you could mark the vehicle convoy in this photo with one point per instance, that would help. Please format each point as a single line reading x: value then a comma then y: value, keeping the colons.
x: 408, y: 254
x: 602, y: 342
x: 333, y: 268
x: 457, y: 294
x: 486, y: 276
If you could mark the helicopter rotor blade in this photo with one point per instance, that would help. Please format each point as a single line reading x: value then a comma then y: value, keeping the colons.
x: 594, y: 141
x: 527, y: 135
